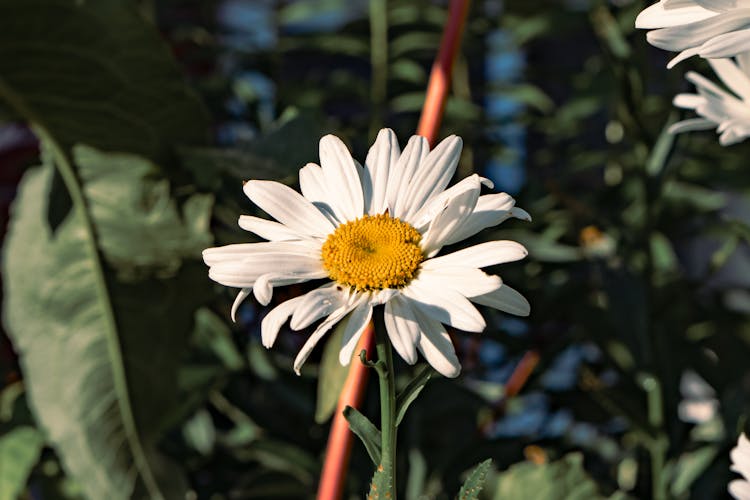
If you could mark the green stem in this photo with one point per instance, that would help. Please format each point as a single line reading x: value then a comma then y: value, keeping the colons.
x: 387, y: 410
x: 378, y: 62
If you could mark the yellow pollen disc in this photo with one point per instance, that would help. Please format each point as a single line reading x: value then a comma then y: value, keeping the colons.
x: 372, y: 253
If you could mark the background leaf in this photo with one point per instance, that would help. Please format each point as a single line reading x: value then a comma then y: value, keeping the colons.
x: 564, y: 479
x: 19, y: 452
x: 98, y: 74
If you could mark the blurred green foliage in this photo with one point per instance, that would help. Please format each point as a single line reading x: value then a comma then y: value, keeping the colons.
x: 133, y: 372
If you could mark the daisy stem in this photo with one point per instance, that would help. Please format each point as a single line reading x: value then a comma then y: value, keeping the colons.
x: 387, y: 409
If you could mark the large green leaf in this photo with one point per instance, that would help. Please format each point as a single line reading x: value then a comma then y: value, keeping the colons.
x: 19, y: 451
x: 95, y: 73
x: 139, y: 227
x: 99, y: 357
x: 564, y: 479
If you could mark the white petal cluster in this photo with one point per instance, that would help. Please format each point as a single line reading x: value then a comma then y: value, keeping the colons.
x: 409, y: 185
x: 727, y: 112
x: 708, y: 28
x: 719, y: 31
x: 740, y: 455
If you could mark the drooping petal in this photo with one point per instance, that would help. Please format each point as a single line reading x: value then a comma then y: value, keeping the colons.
x: 342, y: 178
x: 400, y: 175
x: 275, y: 319
x: 445, y: 305
x: 691, y: 125
x: 322, y: 329
x: 317, y: 304
x: 241, y: 296
x: 288, y: 207
x: 383, y: 154
x: 436, y: 346
x: 355, y: 325
x: 505, y: 299
x: 432, y: 176
x: 403, y: 328
x: 481, y: 255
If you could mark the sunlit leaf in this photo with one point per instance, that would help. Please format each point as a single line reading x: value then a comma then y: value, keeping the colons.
x: 475, y: 482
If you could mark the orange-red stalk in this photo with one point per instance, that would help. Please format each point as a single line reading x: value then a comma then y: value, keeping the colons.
x: 340, y: 438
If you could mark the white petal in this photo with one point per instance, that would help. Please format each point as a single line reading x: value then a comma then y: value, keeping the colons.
x: 449, y: 219
x: 740, y: 456
x: 688, y: 101
x: 727, y: 44
x: 737, y: 81
x: 482, y: 255
x: 273, y: 321
x: 342, y: 177
x: 263, y: 289
x: 355, y: 325
x: 313, y: 186
x: 432, y: 176
x: 687, y: 36
x: 656, y: 16
x: 383, y: 154
x: 743, y: 61
x: 316, y: 304
x: 490, y: 210
x: 740, y: 489
x: 403, y: 328
x: 400, y: 175
x: 437, y: 204
x: 241, y: 296
x: 268, y: 229
x: 244, y: 272
x: 288, y: 207
x: 322, y: 329
x: 685, y: 54
x: 691, y: 125
x: 505, y: 299
x: 248, y: 251
x: 436, y: 346
x: 444, y: 305
x: 467, y: 281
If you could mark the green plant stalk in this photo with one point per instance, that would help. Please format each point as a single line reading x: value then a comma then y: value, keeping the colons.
x: 378, y: 62
x: 388, y: 427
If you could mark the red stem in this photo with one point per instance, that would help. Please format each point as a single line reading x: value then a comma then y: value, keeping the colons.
x: 340, y: 439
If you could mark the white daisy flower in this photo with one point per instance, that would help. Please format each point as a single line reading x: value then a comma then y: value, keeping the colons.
x: 740, y: 455
x: 728, y: 112
x: 709, y: 28
x: 373, y: 233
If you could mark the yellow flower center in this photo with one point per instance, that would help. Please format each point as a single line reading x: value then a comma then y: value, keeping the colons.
x: 372, y: 253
